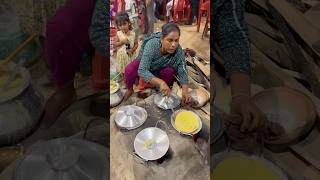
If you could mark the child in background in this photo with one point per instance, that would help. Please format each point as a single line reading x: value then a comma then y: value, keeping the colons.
x: 126, y: 42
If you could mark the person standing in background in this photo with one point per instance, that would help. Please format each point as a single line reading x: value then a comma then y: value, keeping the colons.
x: 194, y: 6
x: 150, y: 16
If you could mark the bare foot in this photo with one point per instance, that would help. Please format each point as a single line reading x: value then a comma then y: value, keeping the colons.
x: 127, y: 95
x: 55, y: 105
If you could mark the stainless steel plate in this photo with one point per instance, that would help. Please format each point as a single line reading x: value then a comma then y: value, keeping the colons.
x: 173, y: 118
x: 151, y: 143
x: 167, y: 102
x: 130, y: 117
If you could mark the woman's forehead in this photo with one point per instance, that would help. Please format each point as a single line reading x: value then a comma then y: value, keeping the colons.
x: 172, y: 35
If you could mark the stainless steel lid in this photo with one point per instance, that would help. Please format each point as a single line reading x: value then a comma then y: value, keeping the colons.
x: 167, y: 102
x: 151, y: 143
x: 130, y: 117
x: 64, y: 158
x: 173, y: 118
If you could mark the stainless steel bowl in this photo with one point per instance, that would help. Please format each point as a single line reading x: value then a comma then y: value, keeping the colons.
x: 151, y: 143
x: 293, y: 110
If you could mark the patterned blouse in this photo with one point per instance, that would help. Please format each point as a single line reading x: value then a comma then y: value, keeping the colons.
x: 231, y: 34
x: 151, y: 61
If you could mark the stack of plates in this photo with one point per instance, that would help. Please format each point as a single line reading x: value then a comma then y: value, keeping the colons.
x: 130, y: 117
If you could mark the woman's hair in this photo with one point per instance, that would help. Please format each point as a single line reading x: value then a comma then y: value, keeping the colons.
x: 123, y: 17
x: 170, y: 27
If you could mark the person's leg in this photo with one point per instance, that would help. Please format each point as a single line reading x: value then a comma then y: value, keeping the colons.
x: 131, y: 73
x: 168, y: 8
x: 167, y: 74
x: 63, y: 60
x: 194, y: 6
x: 130, y: 76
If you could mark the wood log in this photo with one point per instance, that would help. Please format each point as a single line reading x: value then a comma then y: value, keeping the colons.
x: 204, y: 69
x: 286, y: 79
x: 262, y: 25
x: 311, y: 2
x: 290, y: 163
x: 298, y: 5
x: 274, y: 50
x: 301, y: 64
x: 309, y: 149
x: 307, y: 31
x: 261, y: 3
x: 313, y: 15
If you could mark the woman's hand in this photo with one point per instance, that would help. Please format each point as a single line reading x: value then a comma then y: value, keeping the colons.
x: 164, y: 88
x: 186, y: 98
x: 129, y: 52
x: 252, y: 116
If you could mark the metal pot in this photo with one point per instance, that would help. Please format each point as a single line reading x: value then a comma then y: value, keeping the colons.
x: 20, y: 111
x: 151, y: 144
x: 173, y: 118
x: 116, y: 96
x: 167, y: 102
x: 64, y: 158
x: 130, y: 117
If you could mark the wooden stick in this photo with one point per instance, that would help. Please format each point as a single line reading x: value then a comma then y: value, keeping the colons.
x: 18, y: 49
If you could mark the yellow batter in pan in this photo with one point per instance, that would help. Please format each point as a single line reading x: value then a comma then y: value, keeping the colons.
x: 242, y: 168
x: 12, y: 88
x: 186, y: 122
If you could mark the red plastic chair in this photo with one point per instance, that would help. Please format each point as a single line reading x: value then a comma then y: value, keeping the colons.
x: 182, y: 6
x: 203, y: 7
x: 206, y: 26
